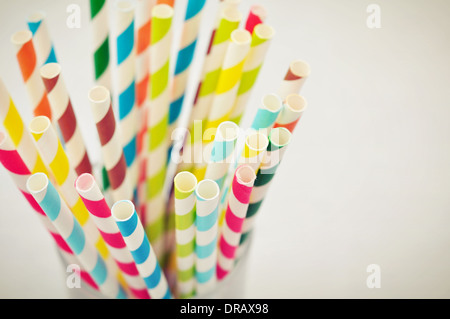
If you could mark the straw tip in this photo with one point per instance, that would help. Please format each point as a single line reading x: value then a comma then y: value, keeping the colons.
x: 21, y: 37
x: 162, y: 11
x: 122, y: 210
x: 37, y: 183
x: 39, y: 124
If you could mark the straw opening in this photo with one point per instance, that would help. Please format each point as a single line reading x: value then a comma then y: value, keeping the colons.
x: 241, y: 36
x: 272, y: 102
x: 300, y: 68
x: 162, y: 11
x: 257, y: 141
x: 228, y: 131
x: 232, y: 14
x: 125, y: 5
x: 122, y: 210
x: 280, y: 136
x: 259, y: 11
x: 21, y: 37
x: 39, y: 124
x: 185, y: 182
x: 36, y: 16
x: 50, y: 70
x: 245, y: 174
x: 264, y: 31
x: 85, y: 182
x: 99, y: 94
x: 296, y: 103
x: 208, y: 189
x: 37, y: 183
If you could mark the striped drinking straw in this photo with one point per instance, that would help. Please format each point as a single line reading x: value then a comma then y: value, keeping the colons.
x: 126, y: 70
x: 45, y: 51
x: 65, y: 115
x: 257, y: 15
x: 184, y: 59
x: 185, y: 184
x: 291, y: 112
x: 294, y: 79
x: 222, y: 153
x: 19, y: 133
x: 279, y: 139
x: 143, y: 254
x: 261, y: 40
x: 237, y: 206
x: 100, y: 39
x: 95, y: 202
x: 111, y: 146
x: 26, y: 56
x: 57, y: 211
x: 19, y: 172
x: 208, y: 196
x: 161, y: 39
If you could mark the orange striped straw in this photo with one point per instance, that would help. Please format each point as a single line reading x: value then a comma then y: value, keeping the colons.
x: 26, y: 56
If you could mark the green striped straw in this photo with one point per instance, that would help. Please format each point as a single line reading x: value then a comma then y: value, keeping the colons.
x: 185, y: 184
x: 158, y: 121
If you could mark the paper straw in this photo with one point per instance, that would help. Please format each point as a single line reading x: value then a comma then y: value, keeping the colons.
x: 143, y: 254
x: 45, y: 51
x: 95, y: 202
x: 161, y: 39
x: 56, y: 159
x: 226, y: 90
x: 126, y: 84
x: 229, y: 19
x: 279, y: 139
x: 291, y: 112
x: 19, y: 173
x: 256, y: 16
x: 238, y: 200
x: 295, y: 77
x: 184, y: 59
x: 111, y: 146
x: 143, y: 16
x: 100, y: 42
x: 267, y: 113
x: 56, y: 209
x: 261, y: 40
x: 222, y: 152
x: 185, y: 184
x: 19, y: 133
x: 208, y: 196
x: 65, y: 115
x: 26, y: 56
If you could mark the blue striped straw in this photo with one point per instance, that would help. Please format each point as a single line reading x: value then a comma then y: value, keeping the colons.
x: 184, y: 58
x: 131, y: 228
x: 207, y: 193
x: 126, y: 73
x: 68, y: 227
x: 45, y: 51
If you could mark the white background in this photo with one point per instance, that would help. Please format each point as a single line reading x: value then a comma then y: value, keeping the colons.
x: 365, y: 181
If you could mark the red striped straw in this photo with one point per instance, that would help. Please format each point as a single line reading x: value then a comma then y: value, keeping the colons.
x: 19, y: 172
x: 237, y: 206
x: 257, y: 15
x: 26, y: 56
x: 65, y: 115
x: 112, y: 151
x: 95, y: 202
x: 292, y: 112
x: 295, y: 78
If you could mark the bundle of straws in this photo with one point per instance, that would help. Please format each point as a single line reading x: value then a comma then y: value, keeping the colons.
x: 158, y: 219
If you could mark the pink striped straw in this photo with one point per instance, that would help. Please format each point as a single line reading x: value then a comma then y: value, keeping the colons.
x: 19, y: 172
x: 95, y: 202
x: 257, y: 15
x: 238, y: 202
